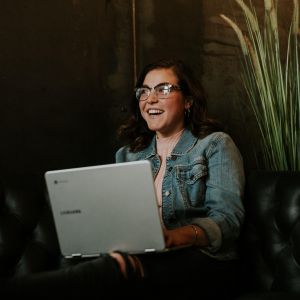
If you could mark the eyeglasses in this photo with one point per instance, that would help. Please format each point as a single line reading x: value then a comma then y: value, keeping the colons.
x: 162, y: 91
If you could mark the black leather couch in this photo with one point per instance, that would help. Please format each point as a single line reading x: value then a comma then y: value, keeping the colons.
x: 270, y: 241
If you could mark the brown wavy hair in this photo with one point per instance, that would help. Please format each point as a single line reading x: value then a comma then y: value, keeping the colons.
x: 135, y: 132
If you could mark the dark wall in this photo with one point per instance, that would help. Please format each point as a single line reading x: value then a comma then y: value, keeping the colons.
x: 67, y: 71
x: 65, y: 74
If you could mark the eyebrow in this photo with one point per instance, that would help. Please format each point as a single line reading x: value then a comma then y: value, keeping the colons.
x: 147, y: 86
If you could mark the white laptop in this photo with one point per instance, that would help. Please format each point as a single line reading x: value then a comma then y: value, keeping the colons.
x: 104, y: 208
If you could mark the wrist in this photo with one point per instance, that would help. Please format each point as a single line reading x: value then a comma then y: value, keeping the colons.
x: 196, y: 230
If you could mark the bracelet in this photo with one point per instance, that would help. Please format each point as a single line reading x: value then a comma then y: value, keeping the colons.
x: 196, y: 234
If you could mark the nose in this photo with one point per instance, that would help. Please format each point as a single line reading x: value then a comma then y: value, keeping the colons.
x: 152, y: 97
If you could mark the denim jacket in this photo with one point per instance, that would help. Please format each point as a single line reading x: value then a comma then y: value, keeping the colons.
x: 203, y: 185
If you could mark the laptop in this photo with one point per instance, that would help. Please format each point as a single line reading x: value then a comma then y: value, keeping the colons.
x: 103, y: 208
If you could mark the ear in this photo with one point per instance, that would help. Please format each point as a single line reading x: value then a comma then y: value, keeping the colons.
x: 188, y: 103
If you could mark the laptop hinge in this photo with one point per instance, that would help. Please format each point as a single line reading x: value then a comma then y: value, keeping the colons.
x: 150, y: 250
x: 76, y: 255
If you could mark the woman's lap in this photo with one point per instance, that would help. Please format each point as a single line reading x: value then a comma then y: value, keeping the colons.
x: 189, y: 270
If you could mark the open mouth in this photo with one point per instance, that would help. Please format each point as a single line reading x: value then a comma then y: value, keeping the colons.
x: 154, y: 112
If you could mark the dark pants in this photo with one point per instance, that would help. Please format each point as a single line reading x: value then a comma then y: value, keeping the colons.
x: 176, y: 274
x: 190, y: 272
x: 98, y: 278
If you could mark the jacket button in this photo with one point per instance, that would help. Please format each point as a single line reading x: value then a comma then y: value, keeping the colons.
x: 167, y: 193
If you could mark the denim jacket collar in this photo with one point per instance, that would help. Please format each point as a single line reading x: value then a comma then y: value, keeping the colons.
x: 185, y: 143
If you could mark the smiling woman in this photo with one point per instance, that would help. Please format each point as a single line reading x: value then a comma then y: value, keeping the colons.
x: 197, y: 167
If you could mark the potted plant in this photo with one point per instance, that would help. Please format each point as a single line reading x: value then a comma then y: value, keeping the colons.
x: 272, y: 83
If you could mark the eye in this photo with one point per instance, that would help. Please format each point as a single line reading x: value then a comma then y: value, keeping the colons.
x: 163, y: 89
x: 141, y: 92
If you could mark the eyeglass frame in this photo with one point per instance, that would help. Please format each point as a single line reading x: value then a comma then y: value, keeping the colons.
x: 168, y: 86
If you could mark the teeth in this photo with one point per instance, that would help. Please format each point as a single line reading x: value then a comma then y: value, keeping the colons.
x: 154, y: 111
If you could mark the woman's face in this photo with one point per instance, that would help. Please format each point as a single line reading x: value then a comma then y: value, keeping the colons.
x: 164, y: 116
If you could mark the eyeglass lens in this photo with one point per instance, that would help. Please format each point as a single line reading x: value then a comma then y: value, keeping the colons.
x: 162, y: 91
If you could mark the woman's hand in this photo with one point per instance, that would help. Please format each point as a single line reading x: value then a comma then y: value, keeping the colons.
x: 186, y: 235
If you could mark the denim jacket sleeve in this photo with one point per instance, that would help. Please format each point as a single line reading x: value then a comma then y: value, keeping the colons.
x: 224, y: 192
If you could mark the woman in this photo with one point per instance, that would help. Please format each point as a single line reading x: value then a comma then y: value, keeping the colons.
x: 199, y: 181
x: 198, y: 172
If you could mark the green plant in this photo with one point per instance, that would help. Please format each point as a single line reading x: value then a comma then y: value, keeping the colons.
x: 272, y: 83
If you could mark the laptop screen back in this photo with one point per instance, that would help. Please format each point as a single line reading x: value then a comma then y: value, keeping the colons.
x: 104, y: 208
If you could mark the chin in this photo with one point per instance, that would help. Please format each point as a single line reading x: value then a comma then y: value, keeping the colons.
x: 152, y: 128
